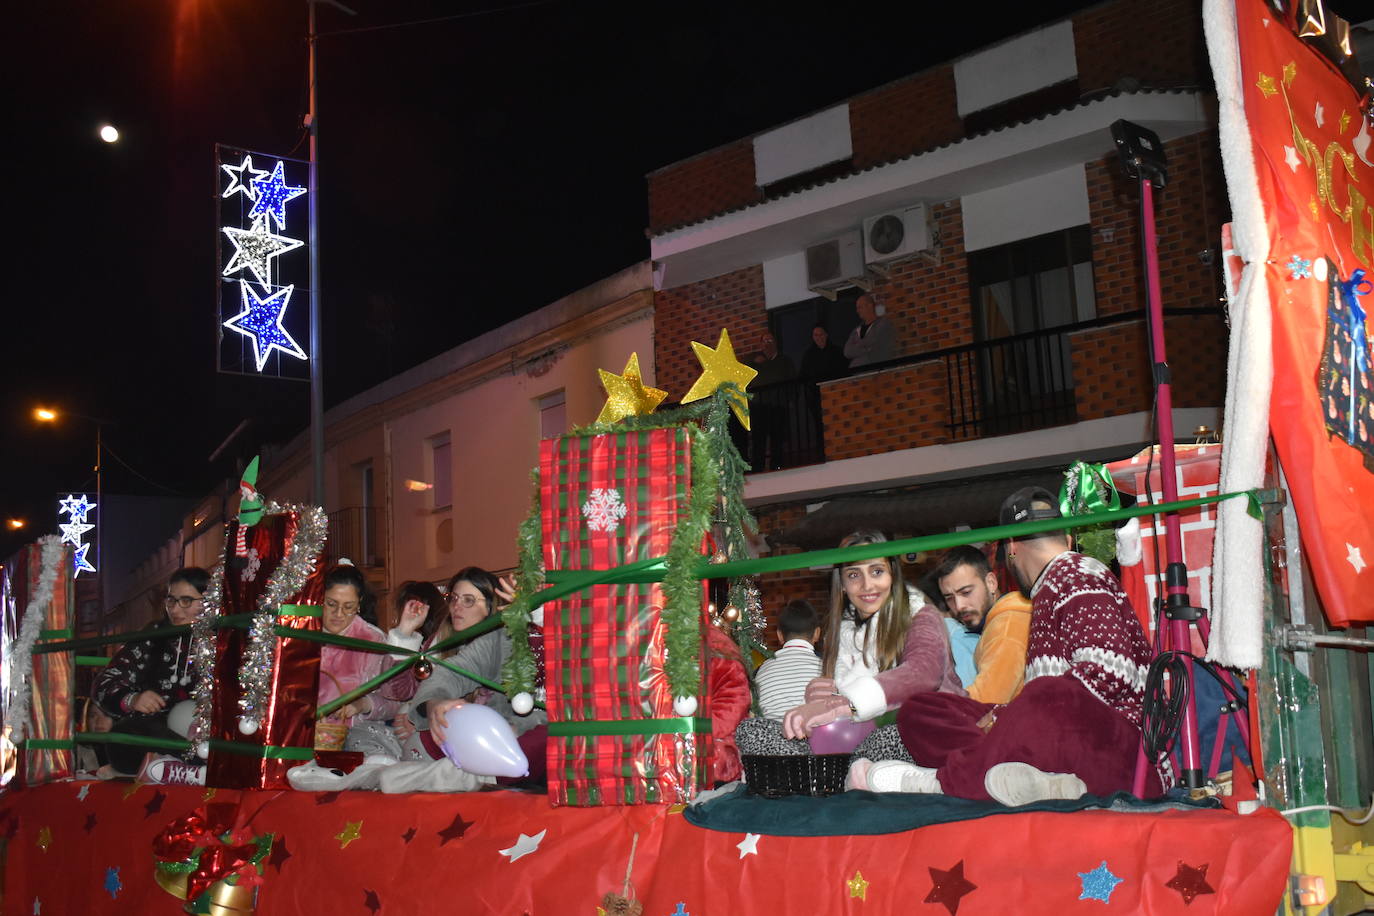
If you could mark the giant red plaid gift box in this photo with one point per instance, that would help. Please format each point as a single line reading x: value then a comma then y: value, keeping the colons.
x: 614, y: 739
x: 1197, y: 471
x: 286, y: 735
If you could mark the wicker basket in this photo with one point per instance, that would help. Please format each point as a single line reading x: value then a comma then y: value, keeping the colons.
x: 332, y: 731
x: 778, y: 775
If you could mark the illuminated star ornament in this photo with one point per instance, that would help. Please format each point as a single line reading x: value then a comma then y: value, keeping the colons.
x: 719, y: 366
x: 80, y: 562
x: 273, y: 194
x: 858, y: 887
x: 352, y: 831
x: 255, y: 247
x: 949, y: 886
x: 524, y: 845
x: 1190, y: 882
x: 236, y: 175
x: 261, y: 322
x: 75, y: 507
x: 72, y: 531
x: 1098, y: 884
x: 626, y: 395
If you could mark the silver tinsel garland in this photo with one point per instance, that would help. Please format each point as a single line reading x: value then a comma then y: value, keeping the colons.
x: 260, y: 654
x: 290, y: 577
x: 21, y: 650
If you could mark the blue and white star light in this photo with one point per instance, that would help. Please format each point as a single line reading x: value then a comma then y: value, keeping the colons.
x: 77, y: 509
x: 261, y: 322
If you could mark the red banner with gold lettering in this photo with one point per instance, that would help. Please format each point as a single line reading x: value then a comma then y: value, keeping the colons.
x: 1315, y: 176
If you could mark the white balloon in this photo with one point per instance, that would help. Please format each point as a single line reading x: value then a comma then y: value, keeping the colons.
x: 481, y: 742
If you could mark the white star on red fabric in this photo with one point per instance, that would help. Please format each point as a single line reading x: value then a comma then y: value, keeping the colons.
x: 1320, y: 114
x: 525, y: 845
x: 749, y: 846
x: 1353, y: 557
x: 1290, y: 156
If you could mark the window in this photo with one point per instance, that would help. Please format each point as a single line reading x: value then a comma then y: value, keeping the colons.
x: 441, y: 471
x: 553, y: 414
x: 792, y: 324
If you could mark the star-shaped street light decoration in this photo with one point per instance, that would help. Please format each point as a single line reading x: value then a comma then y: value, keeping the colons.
x: 79, y: 561
x: 1190, y: 882
x: 717, y: 367
x: 949, y: 886
x: 261, y: 322
x: 1098, y: 884
x: 76, y: 508
x: 626, y: 395
x: 524, y: 845
x: 236, y: 174
x: 255, y: 247
x: 72, y: 531
x: 273, y: 194
x: 352, y: 831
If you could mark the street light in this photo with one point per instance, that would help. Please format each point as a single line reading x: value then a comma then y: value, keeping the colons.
x: 17, y: 523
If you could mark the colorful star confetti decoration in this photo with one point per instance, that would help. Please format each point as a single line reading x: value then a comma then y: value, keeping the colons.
x: 408, y: 836
x: 372, y: 901
x: 112, y: 882
x: 719, y: 366
x: 273, y: 195
x: 749, y: 846
x: 90, y: 823
x: 524, y: 845
x: 85, y: 790
x: 626, y: 395
x: 454, y: 830
x: 236, y: 183
x: 155, y: 803
x: 352, y: 831
x: 1098, y: 884
x: 949, y: 886
x: 279, y: 853
x: 858, y: 887
x: 44, y: 838
x: 261, y: 322
x: 681, y: 910
x: 1299, y: 268
x: 255, y: 247
x: 1266, y: 85
x: 1190, y: 882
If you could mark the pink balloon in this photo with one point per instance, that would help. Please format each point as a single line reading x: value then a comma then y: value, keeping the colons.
x: 840, y: 736
x: 480, y: 741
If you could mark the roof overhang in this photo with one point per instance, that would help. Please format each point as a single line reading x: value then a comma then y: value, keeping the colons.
x: 789, y: 224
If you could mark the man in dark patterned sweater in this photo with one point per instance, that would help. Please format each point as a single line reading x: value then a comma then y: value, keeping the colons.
x: 147, y: 677
x: 1075, y: 727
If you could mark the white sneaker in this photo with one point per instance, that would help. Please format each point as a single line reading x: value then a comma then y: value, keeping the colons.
x: 1015, y: 784
x: 892, y: 776
x: 164, y: 770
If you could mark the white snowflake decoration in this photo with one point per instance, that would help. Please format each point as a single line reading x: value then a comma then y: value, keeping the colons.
x: 603, y: 510
x: 250, y: 571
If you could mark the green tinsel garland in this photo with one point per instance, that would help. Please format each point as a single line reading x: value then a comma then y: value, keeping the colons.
x: 716, y: 497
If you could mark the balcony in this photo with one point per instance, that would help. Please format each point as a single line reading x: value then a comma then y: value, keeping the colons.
x: 354, y: 533
x: 1042, y: 379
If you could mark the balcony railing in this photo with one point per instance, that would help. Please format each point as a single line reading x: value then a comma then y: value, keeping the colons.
x: 785, y: 427
x: 354, y: 533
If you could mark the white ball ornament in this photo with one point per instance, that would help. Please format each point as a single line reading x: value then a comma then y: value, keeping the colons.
x: 685, y: 706
x: 203, y: 750
x: 522, y: 703
x: 248, y: 726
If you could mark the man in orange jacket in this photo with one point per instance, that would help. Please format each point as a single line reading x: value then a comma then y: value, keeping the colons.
x: 969, y: 587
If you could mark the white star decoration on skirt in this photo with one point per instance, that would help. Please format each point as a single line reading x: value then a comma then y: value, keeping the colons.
x: 1353, y: 557
x: 1290, y: 156
x: 1320, y: 114
x: 525, y: 845
x: 749, y: 846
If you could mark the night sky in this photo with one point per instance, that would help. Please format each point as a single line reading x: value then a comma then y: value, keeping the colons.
x: 472, y: 170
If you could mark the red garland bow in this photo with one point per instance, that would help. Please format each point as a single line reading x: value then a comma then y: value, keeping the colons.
x: 207, y: 830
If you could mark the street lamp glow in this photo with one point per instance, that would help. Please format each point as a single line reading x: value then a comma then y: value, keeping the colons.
x: 16, y: 524
x: 109, y: 133
x: 44, y: 414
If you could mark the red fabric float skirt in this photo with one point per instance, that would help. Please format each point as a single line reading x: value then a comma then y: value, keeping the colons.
x: 1054, y: 724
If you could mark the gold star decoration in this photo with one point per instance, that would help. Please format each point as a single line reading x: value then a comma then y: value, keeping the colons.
x: 1266, y: 85
x: 717, y: 367
x: 1312, y: 205
x: 858, y: 887
x: 208, y: 794
x: 677, y: 808
x: 130, y: 789
x: 1345, y: 120
x: 1290, y: 70
x: 626, y: 395
x: 352, y: 830
x: 44, y: 838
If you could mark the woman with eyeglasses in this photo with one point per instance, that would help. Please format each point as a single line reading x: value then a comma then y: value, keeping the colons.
x: 349, y: 610
x: 473, y: 595
x: 145, y: 679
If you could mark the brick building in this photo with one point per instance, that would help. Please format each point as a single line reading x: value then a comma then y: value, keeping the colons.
x: 982, y: 203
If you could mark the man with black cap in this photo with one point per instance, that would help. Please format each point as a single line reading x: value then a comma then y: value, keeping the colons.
x: 1075, y: 727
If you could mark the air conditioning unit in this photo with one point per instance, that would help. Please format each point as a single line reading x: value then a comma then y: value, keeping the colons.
x: 835, y: 264
x: 897, y: 234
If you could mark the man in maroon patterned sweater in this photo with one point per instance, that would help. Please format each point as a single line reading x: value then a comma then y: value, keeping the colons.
x: 1075, y: 727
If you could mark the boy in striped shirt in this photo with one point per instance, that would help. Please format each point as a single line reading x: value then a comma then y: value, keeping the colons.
x: 781, y: 681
